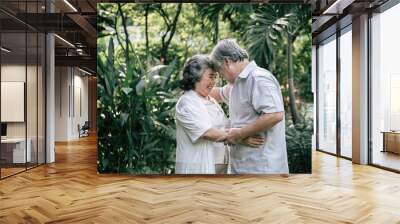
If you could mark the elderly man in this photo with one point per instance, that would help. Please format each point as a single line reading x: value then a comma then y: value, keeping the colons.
x: 255, y: 107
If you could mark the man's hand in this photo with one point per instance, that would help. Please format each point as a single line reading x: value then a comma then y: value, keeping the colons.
x: 234, y: 136
x: 253, y: 141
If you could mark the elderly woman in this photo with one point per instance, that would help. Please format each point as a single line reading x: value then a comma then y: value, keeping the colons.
x: 200, y: 121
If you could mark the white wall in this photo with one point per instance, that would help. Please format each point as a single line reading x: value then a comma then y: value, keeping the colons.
x: 16, y: 73
x: 9, y: 73
x: 79, y: 117
x: 70, y: 83
x: 33, y: 127
x: 62, y: 81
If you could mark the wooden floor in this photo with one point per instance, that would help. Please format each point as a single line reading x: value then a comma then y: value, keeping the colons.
x: 387, y: 159
x: 70, y: 191
x: 10, y: 171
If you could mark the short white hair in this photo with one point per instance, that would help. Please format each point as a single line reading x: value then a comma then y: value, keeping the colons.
x: 228, y: 48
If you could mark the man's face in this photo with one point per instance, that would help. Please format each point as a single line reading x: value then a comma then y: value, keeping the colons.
x: 226, y: 70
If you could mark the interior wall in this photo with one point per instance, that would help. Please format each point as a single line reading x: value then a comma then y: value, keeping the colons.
x: 80, y: 102
x: 34, y: 125
x: 62, y: 80
x: 15, y: 72
x: 71, y: 102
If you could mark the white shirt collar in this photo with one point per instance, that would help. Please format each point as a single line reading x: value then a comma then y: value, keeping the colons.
x: 249, y: 68
x: 196, y: 95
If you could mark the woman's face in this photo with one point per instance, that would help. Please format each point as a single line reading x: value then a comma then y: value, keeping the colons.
x: 206, y: 83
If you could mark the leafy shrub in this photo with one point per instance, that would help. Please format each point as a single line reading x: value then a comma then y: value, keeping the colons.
x: 136, y: 129
x: 298, y: 143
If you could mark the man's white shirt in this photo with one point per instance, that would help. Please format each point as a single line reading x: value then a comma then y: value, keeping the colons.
x: 254, y: 92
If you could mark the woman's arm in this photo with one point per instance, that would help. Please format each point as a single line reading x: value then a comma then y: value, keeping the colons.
x: 214, y: 135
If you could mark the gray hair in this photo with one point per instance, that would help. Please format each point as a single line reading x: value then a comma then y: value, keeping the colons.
x: 193, y: 70
x: 229, y: 49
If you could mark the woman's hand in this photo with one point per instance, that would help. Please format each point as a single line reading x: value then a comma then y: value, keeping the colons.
x: 253, y: 141
x: 222, y: 138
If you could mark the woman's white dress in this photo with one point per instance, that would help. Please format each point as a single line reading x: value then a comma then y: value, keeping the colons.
x: 194, y: 116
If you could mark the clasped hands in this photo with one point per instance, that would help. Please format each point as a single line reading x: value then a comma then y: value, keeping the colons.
x: 234, y: 136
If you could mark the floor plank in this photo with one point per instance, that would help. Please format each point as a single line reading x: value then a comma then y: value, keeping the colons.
x: 71, y: 191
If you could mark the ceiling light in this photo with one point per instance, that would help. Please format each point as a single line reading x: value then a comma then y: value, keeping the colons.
x: 70, y: 5
x: 79, y: 51
x: 5, y: 50
x: 84, y: 71
x: 338, y: 6
x: 65, y: 41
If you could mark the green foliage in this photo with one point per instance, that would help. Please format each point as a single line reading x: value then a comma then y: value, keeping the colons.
x: 264, y: 33
x: 135, y: 109
x: 266, y: 39
x: 302, y: 68
x: 137, y: 92
x: 298, y: 143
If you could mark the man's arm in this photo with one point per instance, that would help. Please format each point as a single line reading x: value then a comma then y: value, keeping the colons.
x: 215, y: 93
x: 263, y: 123
x: 221, y: 94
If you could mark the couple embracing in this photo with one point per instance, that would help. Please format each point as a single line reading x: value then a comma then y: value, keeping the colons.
x: 252, y: 140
